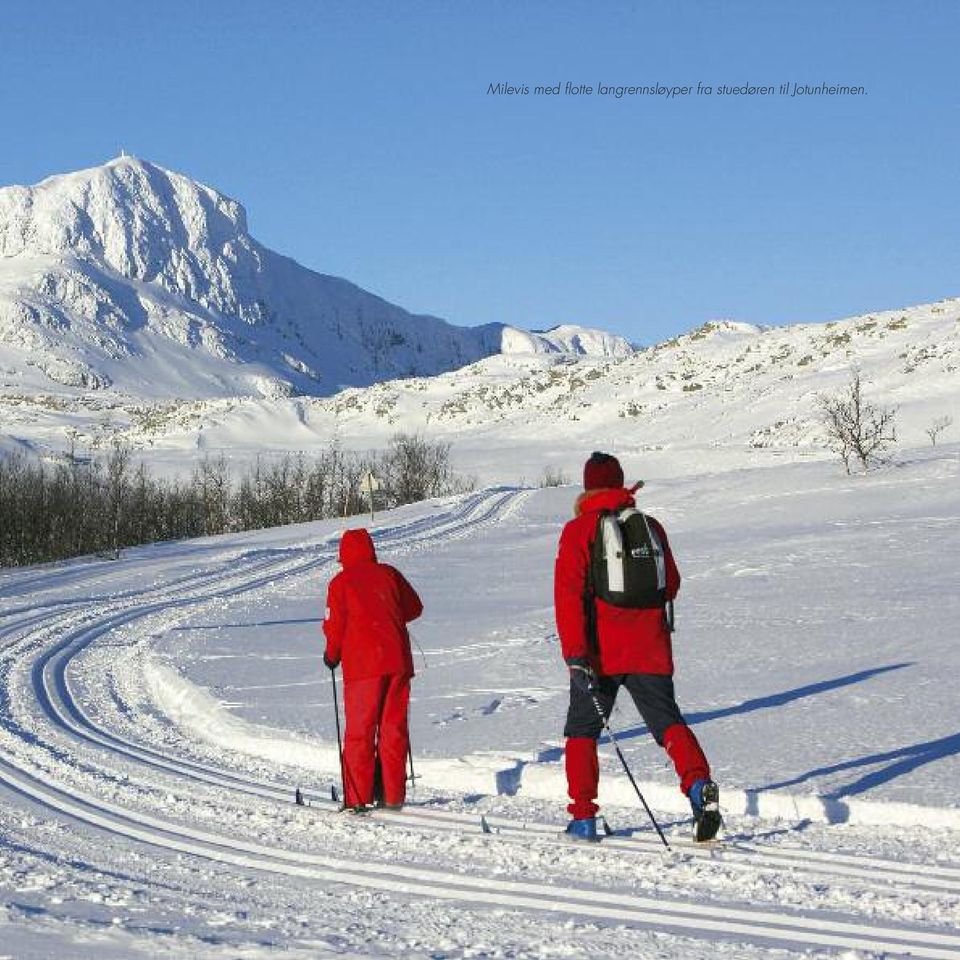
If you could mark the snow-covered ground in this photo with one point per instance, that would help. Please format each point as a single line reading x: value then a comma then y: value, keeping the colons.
x: 157, y: 713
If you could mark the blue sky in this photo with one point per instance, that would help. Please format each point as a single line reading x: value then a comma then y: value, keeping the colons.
x: 362, y: 141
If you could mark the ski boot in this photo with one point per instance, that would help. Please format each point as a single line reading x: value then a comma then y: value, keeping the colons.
x: 583, y: 829
x: 705, y: 800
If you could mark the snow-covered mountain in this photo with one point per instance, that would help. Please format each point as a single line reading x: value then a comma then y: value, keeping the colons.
x: 156, y: 712
x: 567, y: 339
x: 147, y: 285
x: 131, y: 276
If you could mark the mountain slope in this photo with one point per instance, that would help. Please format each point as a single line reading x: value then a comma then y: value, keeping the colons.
x: 725, y: 392
x: 132, y: 276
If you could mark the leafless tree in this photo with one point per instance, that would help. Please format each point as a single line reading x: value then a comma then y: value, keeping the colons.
x: 553, y: 477
x: 118, y: 465
x: 212, y: 481
x: 415, y: 468
x: 856, y: 430
x: 937, y: 427
x: 59, y: 509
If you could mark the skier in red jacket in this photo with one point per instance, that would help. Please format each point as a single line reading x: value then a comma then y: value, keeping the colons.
x: 607, y: 646
x: 369, y: 605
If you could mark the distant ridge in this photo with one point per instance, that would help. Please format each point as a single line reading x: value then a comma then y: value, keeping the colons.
x: 136, y: 278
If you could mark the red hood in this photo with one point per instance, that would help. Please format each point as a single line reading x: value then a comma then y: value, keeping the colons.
x: 612, y: 498
x: 356, y: 547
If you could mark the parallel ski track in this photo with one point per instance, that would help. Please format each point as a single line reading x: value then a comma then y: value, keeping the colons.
x: 682, y: 917
x: 52, y: 683
x: 871, y: 871
x: 54, y: 694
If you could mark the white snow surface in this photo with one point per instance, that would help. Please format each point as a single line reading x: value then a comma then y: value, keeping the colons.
x: 130, y: 277
x: 157, y: 712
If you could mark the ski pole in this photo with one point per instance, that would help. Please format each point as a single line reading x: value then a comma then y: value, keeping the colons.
x: 413, y: 776
x: 336, y: 713
x: 616, y: 746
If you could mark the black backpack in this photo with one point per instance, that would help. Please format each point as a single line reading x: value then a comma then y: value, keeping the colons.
x: 627, y: 561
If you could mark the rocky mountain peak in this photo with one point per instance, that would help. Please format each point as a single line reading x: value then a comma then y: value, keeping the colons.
x: 132, y: 275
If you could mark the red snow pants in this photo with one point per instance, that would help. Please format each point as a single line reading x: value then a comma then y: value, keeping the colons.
x: 583, y: 769
x: 376, y: 715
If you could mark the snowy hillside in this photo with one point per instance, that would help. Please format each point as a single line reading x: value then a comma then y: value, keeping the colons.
x: 156, y: 714
x: 725, y: 395
x: 723, y: 385
x: 131, y: 276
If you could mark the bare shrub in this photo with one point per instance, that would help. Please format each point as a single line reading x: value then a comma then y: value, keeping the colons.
x: 857, y: 430
x: 75, y: 505
x: 553, y: 477
x: 937, y: 427
x: 413, y: 468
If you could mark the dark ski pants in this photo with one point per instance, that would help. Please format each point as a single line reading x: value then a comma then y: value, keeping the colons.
x: 376, y: 712
x: 655, y: 700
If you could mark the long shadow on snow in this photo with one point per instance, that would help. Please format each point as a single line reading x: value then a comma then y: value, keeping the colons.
x: 898, y: 762
x: 748, y: 706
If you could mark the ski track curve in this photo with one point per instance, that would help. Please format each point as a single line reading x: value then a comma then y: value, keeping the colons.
x: 54, y: 633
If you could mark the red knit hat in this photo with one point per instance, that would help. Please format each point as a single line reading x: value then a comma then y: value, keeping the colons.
x: 601, y: 471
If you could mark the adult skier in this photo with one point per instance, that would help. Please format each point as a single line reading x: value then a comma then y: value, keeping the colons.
x: 369, y: 605
x: 621, y: 641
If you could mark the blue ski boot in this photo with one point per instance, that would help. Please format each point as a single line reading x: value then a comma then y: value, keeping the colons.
x: 583, y: 829
x: 705, y: 800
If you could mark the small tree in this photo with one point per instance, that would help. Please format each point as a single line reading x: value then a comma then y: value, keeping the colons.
x: 553, y: 477
x: 211, y: 481
x: 855, y: 428
x: 937, y: 427
x: 415, y: 468
x: 118, y: 466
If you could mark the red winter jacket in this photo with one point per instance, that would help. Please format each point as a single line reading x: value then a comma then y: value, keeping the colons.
x: 369, y: 605
x: 630, y: 641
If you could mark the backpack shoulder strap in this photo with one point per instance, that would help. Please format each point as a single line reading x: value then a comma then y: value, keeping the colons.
x: 590, y: 586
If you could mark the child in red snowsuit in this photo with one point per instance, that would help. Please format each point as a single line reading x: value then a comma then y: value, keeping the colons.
x: 369, y: 605
x: 607, y: 647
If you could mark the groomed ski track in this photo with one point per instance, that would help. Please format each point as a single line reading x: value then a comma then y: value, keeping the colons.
x: 48, y: 742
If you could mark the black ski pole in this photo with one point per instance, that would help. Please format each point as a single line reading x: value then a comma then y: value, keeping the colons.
x: 616, y: 746
x: 336, y: 713
x: 413, y: 776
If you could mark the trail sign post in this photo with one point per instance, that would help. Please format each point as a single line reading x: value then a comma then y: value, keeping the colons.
x: 369, y: 483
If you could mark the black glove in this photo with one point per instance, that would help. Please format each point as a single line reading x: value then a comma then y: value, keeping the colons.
x: 583, y: 675
x: 330, y: 664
